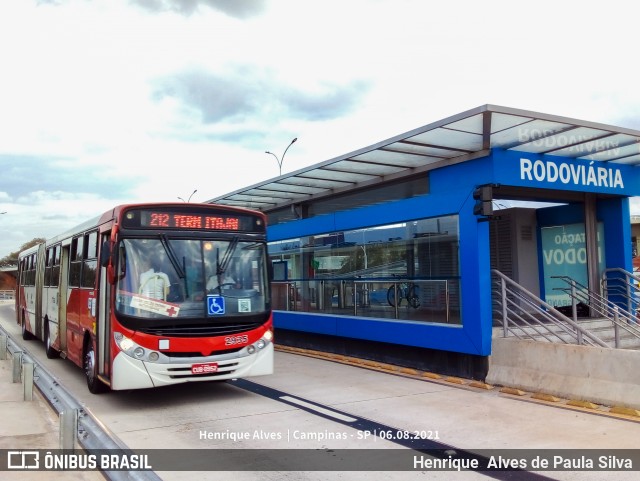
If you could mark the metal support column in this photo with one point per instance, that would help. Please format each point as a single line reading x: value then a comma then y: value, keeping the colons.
x: 591, y: 239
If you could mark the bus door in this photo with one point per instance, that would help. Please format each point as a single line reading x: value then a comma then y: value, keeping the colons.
x: 63, y: 295
x: 104, y: 318
x: 38, y: 329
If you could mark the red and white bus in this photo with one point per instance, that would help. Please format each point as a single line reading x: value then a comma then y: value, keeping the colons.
x: 150, y: 295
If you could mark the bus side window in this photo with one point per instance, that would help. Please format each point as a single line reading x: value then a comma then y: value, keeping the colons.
x: 75, y: 269
x: 90, y: 259
x: 55, y: 271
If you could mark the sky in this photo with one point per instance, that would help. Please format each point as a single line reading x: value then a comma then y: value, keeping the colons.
x: 104, y: 102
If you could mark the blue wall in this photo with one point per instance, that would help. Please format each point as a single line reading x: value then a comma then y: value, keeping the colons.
x: 451, y: 192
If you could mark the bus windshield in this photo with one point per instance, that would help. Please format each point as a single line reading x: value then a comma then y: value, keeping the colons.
x: 164, y: 278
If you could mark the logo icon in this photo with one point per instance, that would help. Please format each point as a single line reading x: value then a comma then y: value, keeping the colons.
x: 23, y: 460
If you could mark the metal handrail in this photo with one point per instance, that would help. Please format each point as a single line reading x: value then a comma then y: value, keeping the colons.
x: 360, y: 296
x: 626, y: 286
x: 619, y: 317
x: 511, y: 311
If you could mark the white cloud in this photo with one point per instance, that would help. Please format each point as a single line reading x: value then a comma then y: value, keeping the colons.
x: 149, y: 100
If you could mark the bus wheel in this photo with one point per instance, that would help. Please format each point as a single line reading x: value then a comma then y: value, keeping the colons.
x: 91, y: 369
x: 26, y: 335
x: 49, y: 350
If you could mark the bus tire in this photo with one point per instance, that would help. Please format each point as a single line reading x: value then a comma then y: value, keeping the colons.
x: 48, y: 347
x: 91, y: 369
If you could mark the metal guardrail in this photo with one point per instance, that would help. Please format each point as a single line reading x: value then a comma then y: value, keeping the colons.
x: 525, y: 316
x: 90, y: 434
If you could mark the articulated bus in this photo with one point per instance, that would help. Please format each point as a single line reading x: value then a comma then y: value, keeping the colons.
x: 151, y: 295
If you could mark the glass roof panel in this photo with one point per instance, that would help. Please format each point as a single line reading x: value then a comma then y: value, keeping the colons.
x: 326, y: 173
x: 291, y: 189
x: 634, y: 159
x: 504, y: 121
x: 471, y: 124
x: 398, y: 160
x: 563, y: 144
x: 406, y: 146
x: 526, y: 134
x: 616, y: 146
x: 308, y: 182
x: 367, y: 168
x: 446, y: 138
x: 265, y: 193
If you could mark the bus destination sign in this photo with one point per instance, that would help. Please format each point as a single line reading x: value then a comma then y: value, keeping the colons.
x: 190, y: 220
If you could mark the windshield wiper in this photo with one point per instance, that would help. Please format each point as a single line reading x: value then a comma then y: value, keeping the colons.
x: 221, y: 266
x: 172, y: 256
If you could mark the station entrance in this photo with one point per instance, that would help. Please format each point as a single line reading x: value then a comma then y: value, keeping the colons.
x: 543, y: 241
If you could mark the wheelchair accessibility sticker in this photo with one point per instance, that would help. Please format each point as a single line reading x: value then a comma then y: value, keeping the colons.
x: 215, y: 305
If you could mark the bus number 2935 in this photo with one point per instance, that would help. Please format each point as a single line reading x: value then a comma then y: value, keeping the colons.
x: 235, y: 340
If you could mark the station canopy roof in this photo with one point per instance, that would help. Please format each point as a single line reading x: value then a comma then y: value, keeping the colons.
x: 456, y: 139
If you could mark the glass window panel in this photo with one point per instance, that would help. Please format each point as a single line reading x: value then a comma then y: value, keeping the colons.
x: 89, y: 274
x: 92, y: 245
x: 75, y: 269
x: 404, y: 271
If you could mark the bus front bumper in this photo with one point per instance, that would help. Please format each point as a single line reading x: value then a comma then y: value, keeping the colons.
x: 131, y: 373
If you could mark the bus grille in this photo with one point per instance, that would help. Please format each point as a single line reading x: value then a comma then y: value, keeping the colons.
x: 199, y: 330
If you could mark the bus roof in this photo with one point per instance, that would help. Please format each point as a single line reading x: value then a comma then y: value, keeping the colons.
x: 114, y: 213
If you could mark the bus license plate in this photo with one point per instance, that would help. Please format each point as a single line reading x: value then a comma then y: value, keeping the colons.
x: 208, y: 368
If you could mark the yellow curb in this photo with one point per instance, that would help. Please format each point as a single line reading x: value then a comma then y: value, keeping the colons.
x: 408, y: 370
x: 431, y: 375
x: 545, y: 397
x: 624, y: 410
x: 512, y: 390
x: 582, y: 404
x: 388, y: 367
x: 481, y: 385
x: 454, y: 380
x: 367, y: 362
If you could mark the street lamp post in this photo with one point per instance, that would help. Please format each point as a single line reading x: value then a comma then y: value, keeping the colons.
x: 189, y: 199
x: 281, y: 159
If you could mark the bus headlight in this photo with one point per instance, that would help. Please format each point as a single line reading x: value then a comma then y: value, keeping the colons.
x: 130, y: 348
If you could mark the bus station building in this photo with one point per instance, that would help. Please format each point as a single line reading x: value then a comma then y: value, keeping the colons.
x: 391, y: 252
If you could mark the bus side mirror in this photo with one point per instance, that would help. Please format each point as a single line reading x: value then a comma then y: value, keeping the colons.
x: 105, y: 254
x: 105, y: 261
